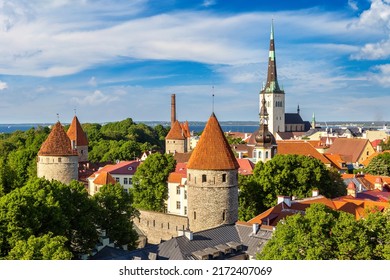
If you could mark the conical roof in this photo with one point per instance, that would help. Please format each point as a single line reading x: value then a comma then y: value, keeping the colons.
x: 212, y: 151
x: 57, y: 143
x: 176, y: 132
x: 76, y: 133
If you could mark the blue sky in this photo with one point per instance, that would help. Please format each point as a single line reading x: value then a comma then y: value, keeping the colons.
x: 111, y: 60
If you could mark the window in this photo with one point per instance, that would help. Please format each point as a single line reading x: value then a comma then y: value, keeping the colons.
x: 130, y: 181
x: 178, y: 190
x: 223, y: 215
x: 59, y: 159
x: 185, y: 194
x: 189, y: 177
x: 117, y: 179
x: 125, y: 182
x: 204, y: 178
x: 178, y: 205
x: 266, y: 154
x: 223, y: 177
x: 185, y: 210
x: 194, y: 215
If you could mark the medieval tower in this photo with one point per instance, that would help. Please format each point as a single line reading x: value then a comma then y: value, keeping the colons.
x: 263, y: 140
x: 178, y: 138
x: 274, y: 95
x: 56, y: 159
x: 78, y: 139
x: 212, y: 179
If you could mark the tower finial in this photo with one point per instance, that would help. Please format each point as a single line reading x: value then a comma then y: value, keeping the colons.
x: 58, y: 117
x: 74, y: 111
x: 213, y: 100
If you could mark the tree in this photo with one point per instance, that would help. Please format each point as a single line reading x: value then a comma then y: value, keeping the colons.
x: 249, y: 198
x: 295, y: 175
x: 325, y: 234
x: 150, y: 182
x: 42, y: 207
x: 45, y: 247
x: 379, y: 165
x: 116, y: 214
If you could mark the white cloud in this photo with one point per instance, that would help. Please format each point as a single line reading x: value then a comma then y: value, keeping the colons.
x: 353, y: 5
x: 92, y: 82
x: 208, y: 3
x: 381, y: 75
x: 3, y: 85
x: 96, y: 98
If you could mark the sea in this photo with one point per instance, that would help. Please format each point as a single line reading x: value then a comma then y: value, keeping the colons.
x: 198, y: 127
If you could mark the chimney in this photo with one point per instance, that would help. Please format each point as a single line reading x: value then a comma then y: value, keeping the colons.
x: 379, y: 184
x: 255, y: 228
x: 285, y: 199
x: 173, y: 109
x: 351, y: 189
x: 314, y: 192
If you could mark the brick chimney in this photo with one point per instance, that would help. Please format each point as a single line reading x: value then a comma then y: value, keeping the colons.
x: 173, y: 109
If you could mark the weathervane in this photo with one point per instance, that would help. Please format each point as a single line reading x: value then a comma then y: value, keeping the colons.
x: 213, y: 99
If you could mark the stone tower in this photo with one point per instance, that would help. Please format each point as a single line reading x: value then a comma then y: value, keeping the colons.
x: 263, y: 140
x: 78, y: 139
x: 56, y: 159
x: 178, y: 138
x: 274, y: 95
x: 212, y: 179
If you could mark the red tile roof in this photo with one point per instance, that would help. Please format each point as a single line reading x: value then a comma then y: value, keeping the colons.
x: 246, y: 166
x: 76, y: 133
x: 176, y: 132
x: 300, y: 148
x: 57, y: 143
x: 212, y: 151
x: 104, y: 178
x: 349, y: 146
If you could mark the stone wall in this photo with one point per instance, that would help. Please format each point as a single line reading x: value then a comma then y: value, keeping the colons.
x: 61, y: 168
x: 82, y: 151
x: 160, y: 226
x: 172, y: 146
x: 212, y: 198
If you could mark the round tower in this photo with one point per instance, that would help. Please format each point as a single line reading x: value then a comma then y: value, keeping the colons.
x: 212, y: 179
x: 56, y: 159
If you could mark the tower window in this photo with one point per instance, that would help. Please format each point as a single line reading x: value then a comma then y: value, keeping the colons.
x: 223, y: 215
x: 223, y: 177
x: 204, y: 178
x: 59, y: 159
x: 189, y: 177
x: 194, y: 215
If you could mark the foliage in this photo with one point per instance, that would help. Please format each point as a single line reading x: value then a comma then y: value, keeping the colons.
x: 42, y: 207
x: 290, y: 175
x: 150, y: 182
x: 45, y: 247
x: 379, y: 165
x: 116, y: 214
x: 325, y: 234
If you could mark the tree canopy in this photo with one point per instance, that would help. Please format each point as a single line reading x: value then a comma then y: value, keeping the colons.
x: 379, y: 165
x: 290, y: 175
x: 52, y: 211
x: 150, y: 182
x: 325, y: 234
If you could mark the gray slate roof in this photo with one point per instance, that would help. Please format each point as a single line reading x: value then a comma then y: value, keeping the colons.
x: 238, y: 240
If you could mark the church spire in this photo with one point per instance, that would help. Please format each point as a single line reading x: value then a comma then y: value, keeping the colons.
x: 272, y: 84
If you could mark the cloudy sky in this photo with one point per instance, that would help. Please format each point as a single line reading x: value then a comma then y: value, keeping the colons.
x: 110, y: 60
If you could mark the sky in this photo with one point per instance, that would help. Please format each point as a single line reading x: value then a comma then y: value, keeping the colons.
x: 109, y: 60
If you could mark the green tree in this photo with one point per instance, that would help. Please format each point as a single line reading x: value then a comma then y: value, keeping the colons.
x: 42, y: 207
x: 295, y: 175
x: 379, y: 165
x: 116, y: 214
x: 45, y: 247
x: 150, y: 182
x: 325, y: 234
x: 250, y: 198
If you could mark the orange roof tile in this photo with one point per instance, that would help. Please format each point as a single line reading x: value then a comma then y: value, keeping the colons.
x: 176, y: 132
x: 300, y: 148
x: 246, y: 166
x: 349, y: 146
x: 175, y: 177
x: 57, y: 143
x: 212, y: 151
x: 104, y: 178
x: 336, y: 160
x: 76, y: 133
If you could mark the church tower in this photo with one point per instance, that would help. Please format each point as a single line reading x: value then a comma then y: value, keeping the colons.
x: 212, y: 179
x: 265, y: 143
x: 274, y: 95
x: 56, y: 158
x: 78, y: 139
